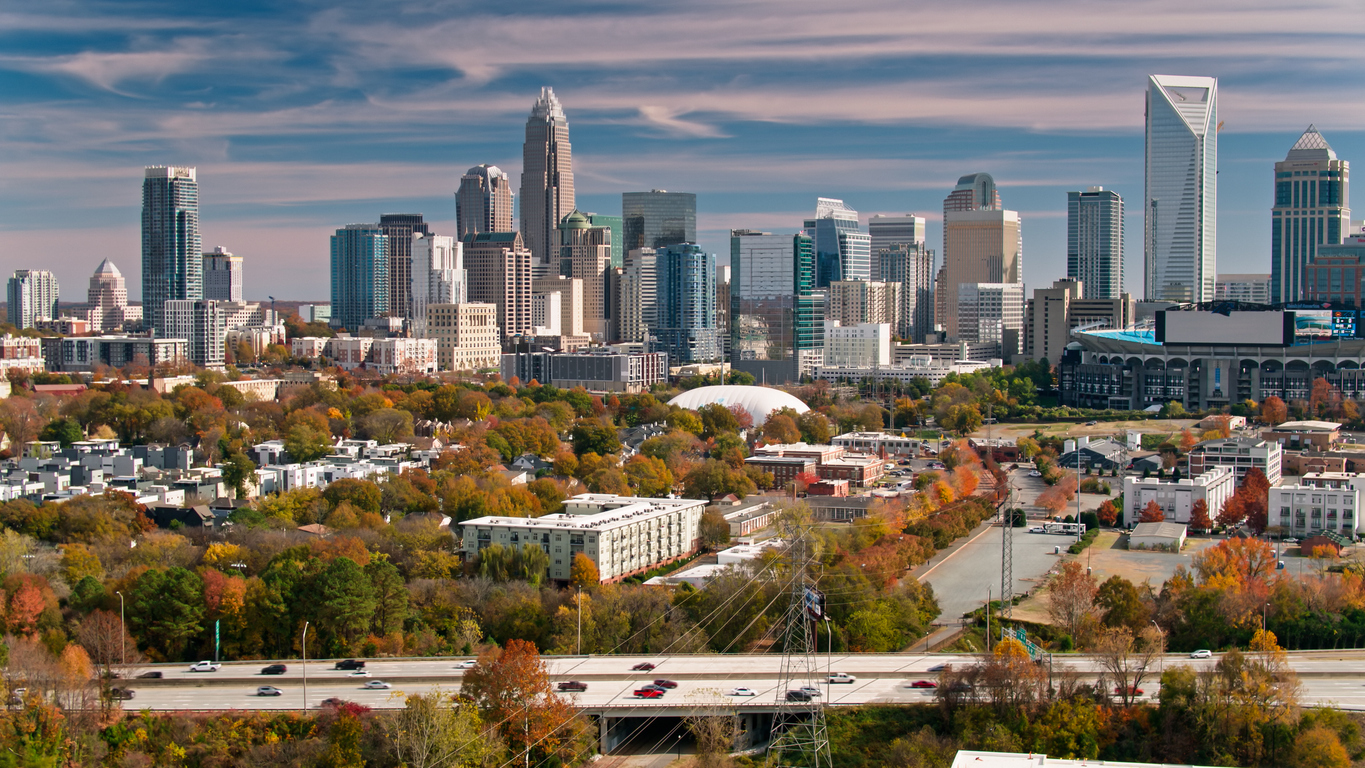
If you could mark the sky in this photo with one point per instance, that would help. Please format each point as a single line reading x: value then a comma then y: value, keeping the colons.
x: 303, y: 116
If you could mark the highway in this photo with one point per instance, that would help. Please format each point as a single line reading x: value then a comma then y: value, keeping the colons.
x: 1335, y: 678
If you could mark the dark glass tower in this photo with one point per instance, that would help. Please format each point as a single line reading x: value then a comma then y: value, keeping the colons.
x: 400, y: 228
x: 1094, y: 242
x: 776, y: 315
x: 687, y: 304
x: 172, y: 257
x: 658, y: 219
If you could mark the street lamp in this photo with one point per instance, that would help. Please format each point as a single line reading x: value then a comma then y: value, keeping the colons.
x: 305, y: 667
x: 123, y: 629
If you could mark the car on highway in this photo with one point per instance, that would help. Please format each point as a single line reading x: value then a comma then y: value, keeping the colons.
x: 665, y: 683
x: 275, y: 669
x: 359, y: 673
x: 1035, y: 473
x: 937, y: 667
x: 810, y: 689
x: 1202, y: 653
x: 205, y: 666
x: 467, y: 664
x: 155, y: 674
x: 742, y: 691
x: 924, y: 684
x: 961, y: 686
x: 798, y: 696
x: 376, y: 685
x: 269, y: 690
x: 573, y: 685
x: 643, y: 666
x: 349, y: 664
x: 1091, y: 423
x: 841, y: 677
x: 122, y: 694
x: 1133, y: 690
x: 648, y: 693
x: 333, y: 702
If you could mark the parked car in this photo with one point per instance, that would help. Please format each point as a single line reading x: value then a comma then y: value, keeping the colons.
x: 275, y: 669
x: 1202, y: 654
x: 742, y: 691
x: 376, y: 685
x: 1035, y: 473
x: 643, y: 666
x: 1091, y: 423
x: 467, y: 664
x: 666, y: 684
x: 841, y: 677
x: 924, y: 684
x: 573, y: 685
x: 121, y: 694
x: 268, y: 690
x: 205, y: 666
x: 798, y: 696
x: 648, y: 693
x: 154, y: 674
x: 349, y: 664
x: 1036, y: 529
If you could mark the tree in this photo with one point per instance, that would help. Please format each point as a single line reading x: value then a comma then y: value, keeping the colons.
x: 342, y: 602
x: 590, y: 436
x: 715, y: 478
x: 1128, y: 658
x: 649, y: 476
x: 432, y: 731
x: 64, y: 431
x: 1199, y: 516
x: 1233, y: 511
x: 1274, y: 411
x: 165, y: 610
x: 583, y: 572
x: 814, y: 428
x: 1108, y: 513
x: 1071, y: 598
x: 237, y: 469
x: 962, y: 419
x: 1122, y: 604
x: 1187, y: 440
x: 387, y: 425
x: 1152, y: 513
x: 305, y: 443
x: 715, y: 531
x: 361, y: 494
x: 390, y: 596
x: 717, y: 420
x: 781, y: 428
x: 511, y: 688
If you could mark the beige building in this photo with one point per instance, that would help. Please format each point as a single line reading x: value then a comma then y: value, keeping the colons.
x: 1053, y: 312
x: 570, y: 292
x: 980, y: 246
x: 498, y: 270
x: 585, y: 254
x: 638, y: 295
x: 467, y: 336
x: 853, y: 302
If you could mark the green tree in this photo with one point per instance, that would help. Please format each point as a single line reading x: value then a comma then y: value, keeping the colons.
x: 716, y: 478
x: 814, y: 428
x: 237, y: 469
x: 684, y: 420
x: 305, y: 442
x: 65, y: 431
x: 165, y: 610
x: 343, y: 602
x: 649, y: 476
x: 387, y: 425
x: 715, y: 532
x: 362, y: 494
x: 590, y: 436
x: 390, y: 596
x: 717, y: 420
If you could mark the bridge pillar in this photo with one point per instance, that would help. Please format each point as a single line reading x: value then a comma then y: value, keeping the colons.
x: 612, y: 731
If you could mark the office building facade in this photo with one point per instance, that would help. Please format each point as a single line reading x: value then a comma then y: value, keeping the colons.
x: 842, y: 250
x: 686, y: 306
x: 172, y: 253
x: 911, y: 265
x: 1337, y: 273
x: 547, y: 189
x: 360, y: 275
x: 106, y: 306
x: 585, y: 254
x: 1094, y: 241
x: 31, y: 295
x: 483, y: 203
x: 852, y: 302
x: 638, y: 292
x: 776, y: 315
x: 498, y: 269
x: 223, y: 276
x: 203, y: 324
x: 401, y: 227
x: 889, y: 232
x: 1312, y: 208
x: 1180, y: 203
x: 1053, y: 312
x: 658, y: 218
x: 992, y: 312
x: 1253, y: 288
x: 981, y: 246
x: 438, y: 277
x: 467, y: 336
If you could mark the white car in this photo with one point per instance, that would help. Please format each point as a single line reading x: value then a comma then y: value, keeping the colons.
x: 744, y: 692
x: 810, y: 690
x: 841, y: 677
x: 206, y: 666
x: 1037, y: 529
x: 376, y: 685
x: 466, y: 664
x: 359, y: 673
x: 1202, y: 654
x: 1035, y: 473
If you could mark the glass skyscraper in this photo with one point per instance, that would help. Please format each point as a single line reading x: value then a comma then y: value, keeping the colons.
x: 400, y: 227
x: 776, y: 315
x: 1312, y: 208
x: 547, y: 191
x: 614, y: 223
x: 1094, y: 242
x: 172, y: 256
x: 483, y: 203
x: 686, y: 305
x: 360, y: 275
x: 1180, y: 208
x: 842, y: 250
x: 658, y: 219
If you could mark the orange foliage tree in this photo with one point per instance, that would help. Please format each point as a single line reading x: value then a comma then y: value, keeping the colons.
x: 965, y: 480
x: 1108, y: 513
x: 511, y: 687
x: 1152, y: 513
x: 1199, y: 516
x: 1273, y: 410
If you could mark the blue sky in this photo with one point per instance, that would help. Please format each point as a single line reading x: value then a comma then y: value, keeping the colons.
x: 302, y: 117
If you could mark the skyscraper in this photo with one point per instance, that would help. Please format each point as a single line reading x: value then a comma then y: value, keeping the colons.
x: 1312, y: 208
x: 911, y: 265
x: 172, y: 255
x: 992, y: 312
x: 1094, y: 242
x: 618, y: 238
x: 106, y: 306
x: 687, y: 305
x: 546, y: 177
x: 1180, y: 211
x: 842, y: 250
x: 776, y: 315
x: 854, y: 302
x: 981, y: 244
x: 400, y: 227
x: 438, y: 277
x: 974, y: 192
x: 483, y: 202
x: 585, y: 254
x: 658, y: 218
x: 223, y: 276
x: 498, y: 267
x: 360, y: 275
x: 888, y: 231
x: 203, y: 324
x: 639, y: 288
x: 32, y: 295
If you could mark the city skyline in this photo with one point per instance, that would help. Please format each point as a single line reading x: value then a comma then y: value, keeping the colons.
x: 293, y: 141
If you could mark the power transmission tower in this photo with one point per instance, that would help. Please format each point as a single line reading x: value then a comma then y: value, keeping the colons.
x: 1006, y: 554
x: 798, y: 737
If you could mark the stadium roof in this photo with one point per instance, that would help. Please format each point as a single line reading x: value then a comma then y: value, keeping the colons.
x: 758, y: 401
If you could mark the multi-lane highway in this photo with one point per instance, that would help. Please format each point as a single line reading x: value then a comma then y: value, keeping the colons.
x: 1335, y: 678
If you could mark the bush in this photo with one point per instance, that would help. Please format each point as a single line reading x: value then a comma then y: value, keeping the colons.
x: 1087, y: 539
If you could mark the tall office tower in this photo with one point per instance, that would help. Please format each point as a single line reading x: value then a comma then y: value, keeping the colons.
x: 498, y: 267
x: 172, y: 256
x: 570, y: 293
x: 360, y: 275
x: 547, y: 313
x: 106, y: 302
x: 723, y: 307
x: 686, y: 327
x: 1251, y: 287
x: 853, y: 302
x: 1180, y: 213
x: 842, y: 250
x: 981, y: 244
x: 201, y: 322
x: 776, y: 315
x: 912, y: 266
x: 1312, y: 208
x: 1094, y: 241
x: 585, y: 254
x: 639, y: 294
x: 223, y: 276
x: 400, y: 227
x: 32, y: 295
x: 658, y: 218
x: 546, y: 177
x: 618, y: 238
x: 887, y: 232
x: 438, y: 277
x: 483, y: 202
x: 992, y: 312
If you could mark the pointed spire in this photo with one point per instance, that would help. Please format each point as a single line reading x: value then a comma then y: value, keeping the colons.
x: 1311, y: 139
x: 547, y: 106
x: 1311, y: 146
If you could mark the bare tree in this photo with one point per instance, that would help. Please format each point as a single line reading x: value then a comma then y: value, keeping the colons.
x: 1011, y: 679
x: 1128, y: 659
x: 1071, y: 599
x: 430, y: 731
x: 715, y: 730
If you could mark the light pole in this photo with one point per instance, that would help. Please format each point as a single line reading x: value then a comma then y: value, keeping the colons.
x: 305, y: 667
x: 829, y: 654
x: 122, y: 629
x: 580, y: 620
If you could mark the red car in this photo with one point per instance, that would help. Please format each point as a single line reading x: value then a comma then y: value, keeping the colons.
x: 648, y: 693
x: 924, y: 684
x: 573, y: 685
x: 665, y: 683
x: 1132, y: 691
x: 643, y: 666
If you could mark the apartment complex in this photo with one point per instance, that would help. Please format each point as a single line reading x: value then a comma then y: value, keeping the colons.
x: 1240, y: 454
x: 467, y: 336
x: 1177, y: 497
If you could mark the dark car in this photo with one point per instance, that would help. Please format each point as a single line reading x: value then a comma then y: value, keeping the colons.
x: 152, y: 675
x: 121, y: 694
x: 648, y: 693
x: 798, y: 696
x: 666, y: 684
x: 924, y: 684
x: 349, y: 664
x: 333, y: 702
x: 573, y: 685
x: 275, y: 669
x: 643, y: 666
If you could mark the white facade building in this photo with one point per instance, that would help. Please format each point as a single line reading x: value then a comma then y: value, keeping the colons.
x: 348, y: 352
x: 906, y: 370
x: 1180, y: 206
x: 985, y: 311
x: 1177, y: 497
x: 466, y: 335
x: 411, y: 356
x: 1239, y: 453
x: 31, y: 296
x: 865, y: 345
x: 622, y: 535
x: 202, y: 323
x: 547, y: 313
x: 1304, y: 510
x: 223, y: 279
x: 438, y: 276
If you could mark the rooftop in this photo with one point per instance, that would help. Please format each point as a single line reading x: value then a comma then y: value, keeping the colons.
x: 600, y: 511
x: 1305, y: 426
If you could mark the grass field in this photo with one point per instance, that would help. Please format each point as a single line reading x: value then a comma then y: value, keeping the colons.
x: 1076, y: 429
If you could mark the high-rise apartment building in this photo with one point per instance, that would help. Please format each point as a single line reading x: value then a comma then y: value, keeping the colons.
x: 400, y: 227
x: 842, y: 250
x: 31, y: 295
x: 483, y: 203
x: 1312, y: 208
x: 172, y: 254
x: 1094, y: 241
x: 1252, y: 287
x: 203, y: 324
x: 852, y: 302
x: 993, y: 313
x: 1180, y: 206
x: 360, y: 275
x: 658, y: 218
x: 585, y: 254
x: 467, y: 337
x: 776, y: 315
x: 639, y: 295
x: 686, y: 305
x: 223, y: 278
x: 887, y: 232
x: 1053, y: 312
x: 547, y: 192
x: 498, y: 267
x: 438, y: 277
x: 912, y: 267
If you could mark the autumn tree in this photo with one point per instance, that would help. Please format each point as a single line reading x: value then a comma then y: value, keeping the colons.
x: 1274, y: 411
x: 1127, y: 658
x: 583, y: 572
x: 1199, y: 516
x: 511, y: 688
x: 1108, y: 513
x: 1071, y: 598
x: 433, y: 731
x: 1233, y: 511
x: 1152, y: 513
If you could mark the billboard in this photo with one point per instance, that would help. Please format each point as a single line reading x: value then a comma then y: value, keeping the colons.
x: 1273, y: 328
x: 1312, y: 325
x: 1344, y: 323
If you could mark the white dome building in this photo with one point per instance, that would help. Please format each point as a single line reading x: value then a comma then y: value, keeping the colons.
x: 758, y: 401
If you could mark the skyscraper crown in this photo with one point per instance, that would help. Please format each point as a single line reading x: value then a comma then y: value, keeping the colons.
x: 547, y: 106
x: 1311, y: 146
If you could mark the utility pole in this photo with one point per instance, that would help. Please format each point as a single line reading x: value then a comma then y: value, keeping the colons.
x: 1007, y: 551
x: 798, y: 736
x: 580, y: 619
x: 123, y: 630
x: 305, y: 667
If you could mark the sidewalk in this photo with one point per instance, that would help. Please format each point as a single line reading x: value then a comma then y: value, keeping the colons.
x: 943, y: 554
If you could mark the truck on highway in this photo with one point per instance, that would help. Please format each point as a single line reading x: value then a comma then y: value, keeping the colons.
x: 1067, y: 529
x: 205, y: 666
